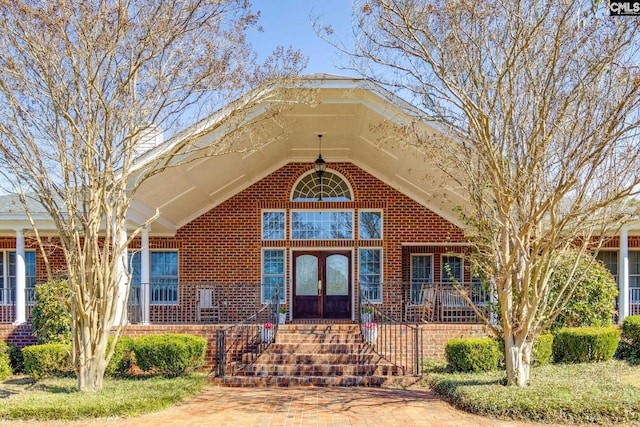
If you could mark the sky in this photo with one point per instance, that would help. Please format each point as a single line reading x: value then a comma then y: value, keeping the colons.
x: 289, y: 23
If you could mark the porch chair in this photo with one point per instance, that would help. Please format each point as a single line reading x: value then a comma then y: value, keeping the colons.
x: 453, y: 307
x: 424, y: 306
x: 208, y: 309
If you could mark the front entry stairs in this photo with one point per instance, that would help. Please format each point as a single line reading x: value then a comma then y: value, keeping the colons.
x: 316, y: 355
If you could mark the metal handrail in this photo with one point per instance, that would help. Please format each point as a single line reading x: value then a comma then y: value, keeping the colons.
x: 397, y: 342
x: 239, y: 345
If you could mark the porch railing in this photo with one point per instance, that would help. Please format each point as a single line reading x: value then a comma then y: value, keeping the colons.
x: 397, y: 342
x: 239, y: 345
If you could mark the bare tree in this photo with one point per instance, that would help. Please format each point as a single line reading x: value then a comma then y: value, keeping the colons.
x: 81, y: 83
x: 539, y: 104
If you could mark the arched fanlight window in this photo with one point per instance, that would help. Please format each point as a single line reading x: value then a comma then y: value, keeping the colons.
x: 334, y: 188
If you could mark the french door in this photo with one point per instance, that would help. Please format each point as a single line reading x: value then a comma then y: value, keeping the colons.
x: 322, y: 284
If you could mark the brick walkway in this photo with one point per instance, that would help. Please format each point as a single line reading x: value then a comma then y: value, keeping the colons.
x: 305, y: 406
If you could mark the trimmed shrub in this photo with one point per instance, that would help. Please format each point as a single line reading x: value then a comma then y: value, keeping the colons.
x: 543, y: 350
x: 5, y: 361
x: 631, y: 329
x: 578, y: 345
x: 123, y: 357
x: 169, y: 354
x: 629, y: 347
x: 472, y: 354
x: 593, y: 301
x: 51, y: 323
x: 15, y: 358
x: 44, y: 360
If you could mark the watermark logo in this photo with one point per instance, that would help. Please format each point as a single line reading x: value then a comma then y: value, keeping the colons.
x: 624, y: 8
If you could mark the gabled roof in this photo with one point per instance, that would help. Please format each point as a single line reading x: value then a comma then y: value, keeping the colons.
x: 353, y: 114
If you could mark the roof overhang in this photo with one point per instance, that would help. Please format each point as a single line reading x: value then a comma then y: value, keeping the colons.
x: 360, y: 125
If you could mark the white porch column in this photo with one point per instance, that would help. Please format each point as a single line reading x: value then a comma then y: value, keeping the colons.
x: 623, y: 276
x: 123, y: 279
x: 21, y: 280
x: 145, y: 276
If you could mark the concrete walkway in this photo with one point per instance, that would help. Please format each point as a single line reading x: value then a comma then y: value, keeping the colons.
x: 304, y: 406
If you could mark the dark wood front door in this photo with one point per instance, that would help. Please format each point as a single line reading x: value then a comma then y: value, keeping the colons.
x: 322, y: 285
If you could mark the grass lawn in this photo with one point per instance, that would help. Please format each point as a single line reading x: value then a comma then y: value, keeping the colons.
x: 57, y: 398
x: 603, y: 393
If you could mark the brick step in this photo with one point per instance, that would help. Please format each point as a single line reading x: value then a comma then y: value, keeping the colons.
x: 318, y: 348
x: 317, y: 381
x: 319, y: 370
x: 316, y: 337
x: 349, y: 328
x: 325, y: 358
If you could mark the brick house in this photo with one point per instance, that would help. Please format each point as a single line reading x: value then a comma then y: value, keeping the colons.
x: 235, y: 227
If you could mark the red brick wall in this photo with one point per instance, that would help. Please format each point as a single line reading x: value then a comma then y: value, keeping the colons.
x: 19, y: 335
x: 224, y: 244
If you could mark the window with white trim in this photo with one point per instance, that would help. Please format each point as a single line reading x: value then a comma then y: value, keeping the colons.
x: 421, y: 274
x: 370, y: 225
x: 8, y: 271
x: 164, y: 276
x: 333, y: 188
x: 273, y: 274
x: 321, y: 225
x: 273, y: 225
x: 634, y: 277
x: 452, y: 269
x: 610, y: 261
x: 370, y: 273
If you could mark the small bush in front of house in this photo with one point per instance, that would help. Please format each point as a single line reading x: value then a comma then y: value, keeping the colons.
x: 543, y: 350
x: 629, y: 347
x: 472, y: 354
x: 593, y: 301
x: 123, y: 358
x: 577, y: 345
x: 5, y: 361
x: 15, y: 358
x: 44, y: 360
x: 51, y: 322
x: 169, y: 354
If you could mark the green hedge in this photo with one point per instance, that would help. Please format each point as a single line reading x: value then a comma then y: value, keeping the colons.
x: 578, y: 345
x: 169, y: 354
x: 472, y: 354
x: 5, y: 361
x: 631, y: 330
x: 123, y: 358
x: 543, y: 350
x: 45, y: 360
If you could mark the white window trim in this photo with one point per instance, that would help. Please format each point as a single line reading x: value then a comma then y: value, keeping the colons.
x: 312, y: 171
x: 353, y: 223
x: 379, y: 248
x: 381, y: 212
x: 4, y: 253
x: 411, y: 256
x: 262, y: 212
x: 283, y: 298
x: 442, y: 256
x: 162, y: 304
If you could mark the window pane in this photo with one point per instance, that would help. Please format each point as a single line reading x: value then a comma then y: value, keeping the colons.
x: 333, y: 189
x: 272, y: 225
x: 321, y: 225
x: 451, y: 269
x: 30, y: 275
x: 370, y: 225
x: 420, y: 274
x: 370, y: 277
x: 273, y: 274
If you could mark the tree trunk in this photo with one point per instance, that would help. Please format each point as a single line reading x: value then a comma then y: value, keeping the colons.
x: 91, y: 361
x: 517, y: 356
